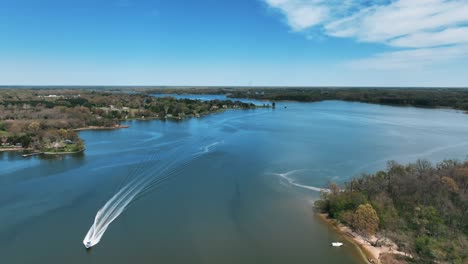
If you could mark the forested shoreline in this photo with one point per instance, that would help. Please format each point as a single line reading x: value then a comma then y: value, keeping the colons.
x: 421, y: 207
x: 45, y: 120
x: 455, y: 98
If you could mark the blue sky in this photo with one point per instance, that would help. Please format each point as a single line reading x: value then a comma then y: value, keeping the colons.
x: 239, y: 43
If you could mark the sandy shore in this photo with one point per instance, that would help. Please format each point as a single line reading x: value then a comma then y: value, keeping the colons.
x: 11, y: 149
x: 100, y: 128
x: 372, y: 254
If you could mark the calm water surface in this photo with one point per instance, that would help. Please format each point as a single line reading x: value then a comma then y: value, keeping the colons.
x: 228, y: 206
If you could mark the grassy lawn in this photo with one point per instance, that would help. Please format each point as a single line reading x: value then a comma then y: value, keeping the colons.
x: 4, y: 134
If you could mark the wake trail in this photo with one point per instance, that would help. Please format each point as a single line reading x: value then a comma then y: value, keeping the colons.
x: 291, y: 181
x: 154, y: 170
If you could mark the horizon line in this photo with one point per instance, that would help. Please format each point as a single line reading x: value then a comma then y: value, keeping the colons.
x: 2, y: 86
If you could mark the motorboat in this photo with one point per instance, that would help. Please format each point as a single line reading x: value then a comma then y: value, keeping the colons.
x: 337, y: 244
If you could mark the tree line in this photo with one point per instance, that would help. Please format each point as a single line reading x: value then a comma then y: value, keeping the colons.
x: 456, y: 98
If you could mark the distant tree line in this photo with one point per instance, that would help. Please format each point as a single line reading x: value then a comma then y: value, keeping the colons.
x: 456, y: 98
x: 433, y: 97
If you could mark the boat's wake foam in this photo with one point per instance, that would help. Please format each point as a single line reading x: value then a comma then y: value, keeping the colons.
x: 287, y: 177
x: 208, y: 148
x: 157, y: 168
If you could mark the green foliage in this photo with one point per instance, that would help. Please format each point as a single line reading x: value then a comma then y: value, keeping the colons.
x: 336, y: 202
x: 24, y: 140
x: 427, y: 220
x: 386, y: 211
x: 420, y: 97
x: 424, y: 246
x: 423, y: 208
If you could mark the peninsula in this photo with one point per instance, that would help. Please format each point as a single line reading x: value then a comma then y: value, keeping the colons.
x: 46, y: 120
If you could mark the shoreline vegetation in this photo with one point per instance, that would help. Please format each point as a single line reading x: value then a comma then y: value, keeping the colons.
x: 62, y: 152
x: 453, y: 98
x: 101, y: 127
x: 5, y: 149
x: 47, y: 120
x: 415, y: 213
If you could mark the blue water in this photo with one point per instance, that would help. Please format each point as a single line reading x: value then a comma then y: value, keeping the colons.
x: 226, y: 207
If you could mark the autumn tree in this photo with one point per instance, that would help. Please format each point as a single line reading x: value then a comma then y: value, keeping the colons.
x: 34, y: 127
x: 365, y: 220
x: 15, y: 127
x: 462, y: 177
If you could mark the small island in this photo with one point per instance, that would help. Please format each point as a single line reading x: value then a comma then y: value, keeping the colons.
x: 415, y: 213
x: 46, y: 121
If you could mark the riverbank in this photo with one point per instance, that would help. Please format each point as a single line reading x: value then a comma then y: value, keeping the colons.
x: 100, y: 127
x: 63, y: 153
x: 13, y: 149
x: 370, y: 253
x: 39, y: 153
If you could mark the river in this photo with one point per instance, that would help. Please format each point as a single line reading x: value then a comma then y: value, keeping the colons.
x: 231, y: 205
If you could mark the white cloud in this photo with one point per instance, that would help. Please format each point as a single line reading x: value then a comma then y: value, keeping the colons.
x: 412, y: 58
x: 381, y: 23
x: 447, y: 36
x: 417, y: 26
x: 301, y: 14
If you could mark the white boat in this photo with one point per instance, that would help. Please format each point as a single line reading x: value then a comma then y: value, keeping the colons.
x: 88, y: 244
x: 337, y: 244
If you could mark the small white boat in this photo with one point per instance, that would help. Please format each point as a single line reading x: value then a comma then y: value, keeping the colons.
x: 337, y: 244
x: 88, y: 244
